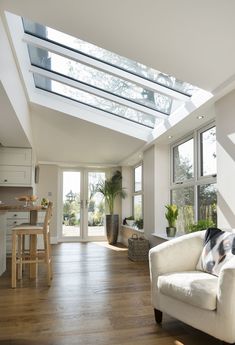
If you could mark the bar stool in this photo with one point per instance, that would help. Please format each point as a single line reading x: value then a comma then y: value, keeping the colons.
x: 32, y: 256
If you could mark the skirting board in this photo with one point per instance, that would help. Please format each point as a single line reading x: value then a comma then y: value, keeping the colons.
x: 54, y: 240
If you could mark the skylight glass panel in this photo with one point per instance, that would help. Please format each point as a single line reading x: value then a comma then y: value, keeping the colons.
x: 108, y: 57
x: 96, y: 102
x: 101, y: 80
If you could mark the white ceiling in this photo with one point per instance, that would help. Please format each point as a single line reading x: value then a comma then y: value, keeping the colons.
x: 61, y: 138
x: 194, y: 41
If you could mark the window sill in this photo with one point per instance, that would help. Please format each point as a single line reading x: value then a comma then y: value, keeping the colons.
x: 133, y: 228
x: 164, y: 236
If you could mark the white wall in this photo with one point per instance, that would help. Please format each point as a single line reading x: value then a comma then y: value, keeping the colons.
x: 162, y: 185
x: 127, y: 183
x: 149, y: 187
x: 48, y: 188
x: 156, y: 174
x: 225, y: 133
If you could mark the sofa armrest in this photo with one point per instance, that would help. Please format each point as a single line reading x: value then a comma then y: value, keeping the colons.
x: 178, y: 254
x: 226, y: 289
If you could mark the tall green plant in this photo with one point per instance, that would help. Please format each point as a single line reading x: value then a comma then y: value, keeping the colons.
x: 171, y: 214
x: 111, y: 188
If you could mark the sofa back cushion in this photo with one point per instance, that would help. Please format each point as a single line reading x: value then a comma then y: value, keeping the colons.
x: 219, y: 248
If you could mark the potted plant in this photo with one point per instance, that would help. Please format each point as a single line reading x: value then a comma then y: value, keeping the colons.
x: 171, y: 216
x: 130, y: 221
x: 139, y: 223
x: 111, y: 189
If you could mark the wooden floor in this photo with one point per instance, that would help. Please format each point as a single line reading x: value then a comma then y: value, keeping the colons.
x: 97, y: 297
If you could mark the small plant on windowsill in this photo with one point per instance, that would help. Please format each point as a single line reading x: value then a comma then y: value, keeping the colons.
x: 171, y: 216
x: 129, y: 221
x: 139, y: 223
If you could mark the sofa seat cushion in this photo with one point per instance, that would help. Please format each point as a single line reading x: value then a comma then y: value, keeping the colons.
x: 193, y: 287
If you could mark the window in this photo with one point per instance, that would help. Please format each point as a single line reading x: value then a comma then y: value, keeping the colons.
x: 208, y: 152
x: 138, y: 193
x: 184, y: 199
x: 183, y: 161
x: 195, y: 193
x: 138, y: 179
x: 207, y: 200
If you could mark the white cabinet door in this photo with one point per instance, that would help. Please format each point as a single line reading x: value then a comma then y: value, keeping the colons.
x: 15, y: 175
x: 15, y: 156
x: 13, y: 219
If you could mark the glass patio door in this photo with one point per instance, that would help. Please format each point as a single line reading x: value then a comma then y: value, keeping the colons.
x: 72, y: 205
x: 83, y: 210
x: 95, y: 207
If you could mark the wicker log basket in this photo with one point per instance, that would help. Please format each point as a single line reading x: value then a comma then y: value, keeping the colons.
x: 138, y: 248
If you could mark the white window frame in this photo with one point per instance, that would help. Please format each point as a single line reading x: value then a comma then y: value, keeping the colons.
x: 197, y: 179
x: 140, y: 192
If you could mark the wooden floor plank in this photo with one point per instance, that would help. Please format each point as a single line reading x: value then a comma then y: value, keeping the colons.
x: 97, y: 297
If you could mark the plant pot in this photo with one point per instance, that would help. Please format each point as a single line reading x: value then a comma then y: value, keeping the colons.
x: 170, y: 231
x: 112, y: 228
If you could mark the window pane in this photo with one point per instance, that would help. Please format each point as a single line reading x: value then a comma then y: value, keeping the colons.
x: 93, y: 101
x: 101, y: 80
x: 207, y: 202
x: 183, y: 168
x: 96, y: 205
x: 184, y: 199
x: 108, y: 57
x: 138, y: 207
x: 138, y: 178
x: 208, y: 152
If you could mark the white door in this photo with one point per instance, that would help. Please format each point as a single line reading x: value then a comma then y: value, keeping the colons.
x: 83, y: 210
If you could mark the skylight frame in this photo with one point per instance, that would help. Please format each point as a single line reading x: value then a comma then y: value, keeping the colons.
x: 161, y: 85
x: 87, y: 88
x: 99, y: 117
x: 56, y: 79
x: 138, y: 105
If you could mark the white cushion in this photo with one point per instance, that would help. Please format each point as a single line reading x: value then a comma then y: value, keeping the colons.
x: 194, y: 287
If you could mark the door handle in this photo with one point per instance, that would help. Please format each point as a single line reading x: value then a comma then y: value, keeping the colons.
x: 82, y: 204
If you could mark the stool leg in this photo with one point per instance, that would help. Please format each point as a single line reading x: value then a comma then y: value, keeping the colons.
x: 47, y: 258
x: 51, y: 270
x: 33, y: 256
x: 23, y: 251
x: 19, y: 256
x: 13, y: 261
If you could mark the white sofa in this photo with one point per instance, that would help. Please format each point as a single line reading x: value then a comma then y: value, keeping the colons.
x: 199, y: 299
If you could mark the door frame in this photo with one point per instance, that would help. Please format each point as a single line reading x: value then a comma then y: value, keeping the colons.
x: 83, y: 214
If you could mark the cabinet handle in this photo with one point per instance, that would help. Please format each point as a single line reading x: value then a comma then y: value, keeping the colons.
x: 5, y: 180
x: 15, y: 222
x: 15, y: 215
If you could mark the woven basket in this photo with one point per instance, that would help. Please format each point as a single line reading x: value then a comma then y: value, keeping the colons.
x: 138, y: 248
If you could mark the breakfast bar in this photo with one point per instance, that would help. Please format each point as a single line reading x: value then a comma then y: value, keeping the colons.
x: 15, y: 211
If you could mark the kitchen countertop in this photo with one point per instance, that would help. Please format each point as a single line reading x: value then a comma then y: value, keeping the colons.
x: 4, y: 207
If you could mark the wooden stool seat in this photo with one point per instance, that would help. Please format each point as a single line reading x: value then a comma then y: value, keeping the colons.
x: 32, y: 256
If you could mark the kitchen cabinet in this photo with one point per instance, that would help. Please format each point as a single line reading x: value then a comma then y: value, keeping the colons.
x: 11, y: 175
x: 15, y: 166
x: 15, y: 156
x: 13, y: 219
